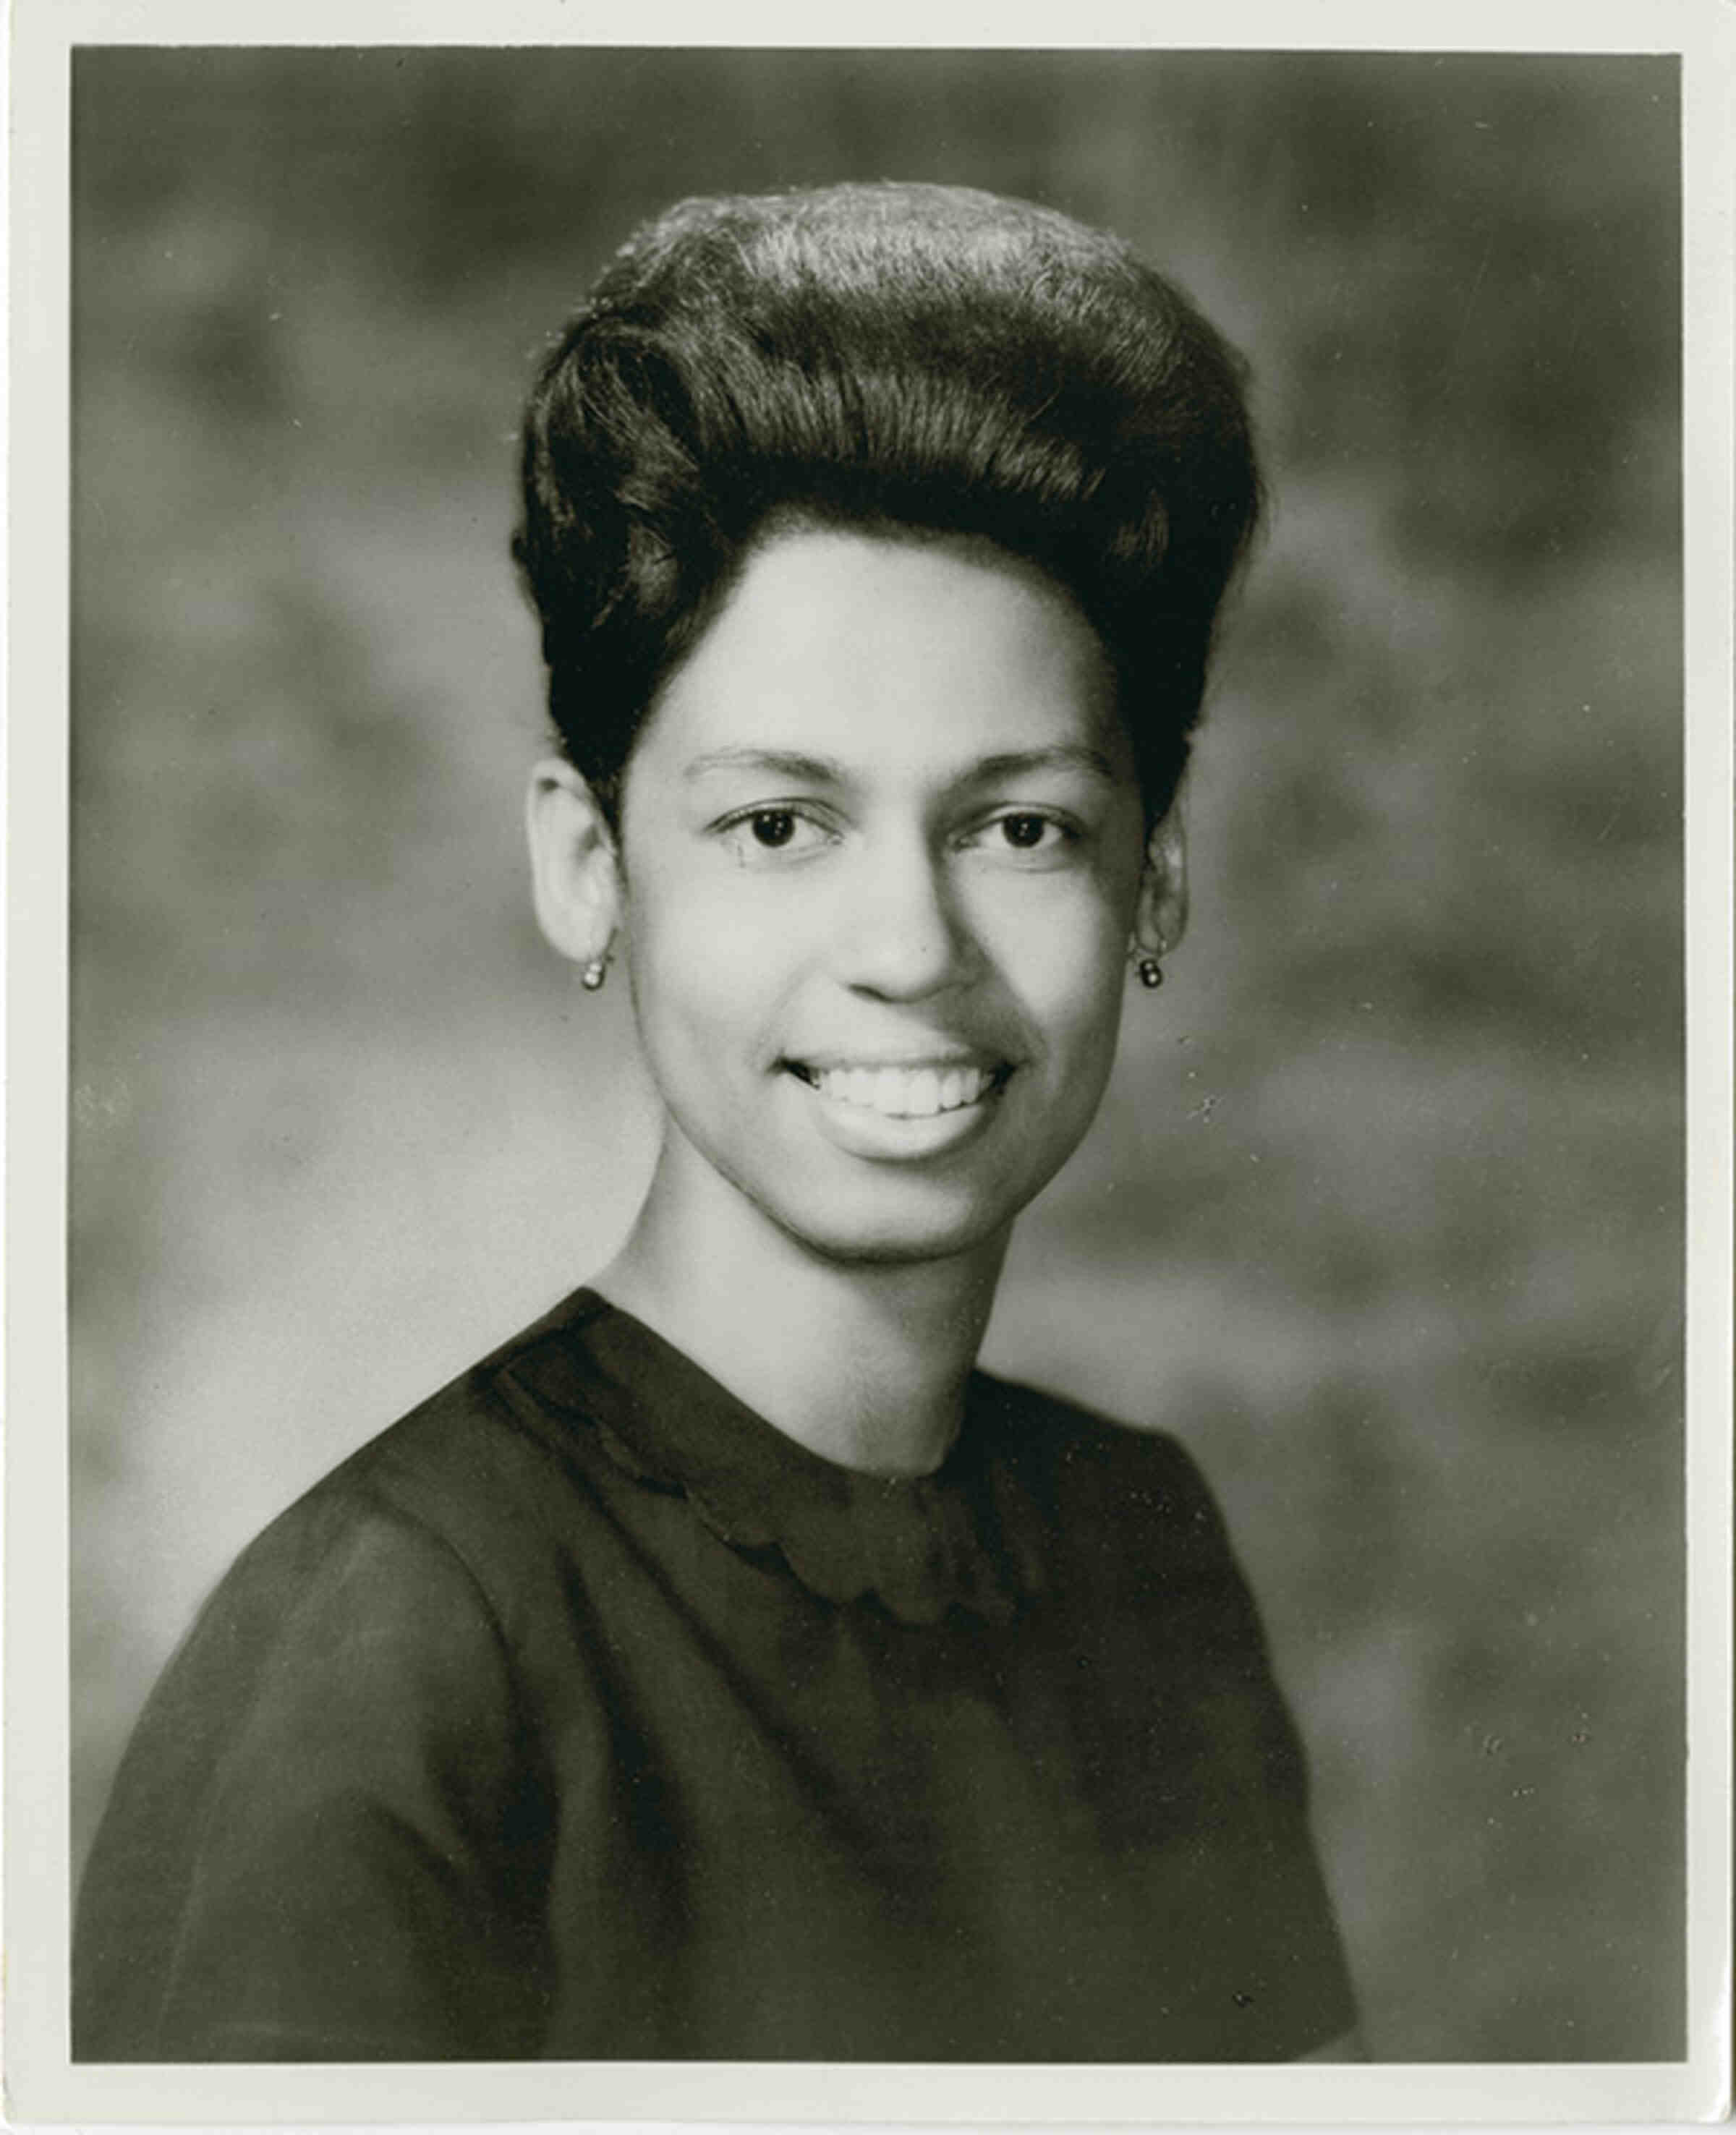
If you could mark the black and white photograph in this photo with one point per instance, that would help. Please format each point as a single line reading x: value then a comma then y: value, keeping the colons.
x: 879, y: 971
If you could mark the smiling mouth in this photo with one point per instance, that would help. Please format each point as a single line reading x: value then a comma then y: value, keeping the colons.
x: 905, y: 1093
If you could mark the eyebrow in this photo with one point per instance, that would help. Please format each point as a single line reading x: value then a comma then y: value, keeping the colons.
x: 824, y: 771
x: 783, y: 763
x: 1061, y: 756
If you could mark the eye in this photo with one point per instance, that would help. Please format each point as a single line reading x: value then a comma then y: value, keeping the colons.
x: 1026, y: 833
x: 757, y: 832
x: 771, y: 827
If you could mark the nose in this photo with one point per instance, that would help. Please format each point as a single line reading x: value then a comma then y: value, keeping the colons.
x: 901, y: 934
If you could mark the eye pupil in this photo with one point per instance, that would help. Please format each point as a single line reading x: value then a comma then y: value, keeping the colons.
x: 773, y: 826
x: 1025, y: 830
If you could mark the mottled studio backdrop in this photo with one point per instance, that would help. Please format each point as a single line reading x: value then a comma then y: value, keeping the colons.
x: 1383, y: 1212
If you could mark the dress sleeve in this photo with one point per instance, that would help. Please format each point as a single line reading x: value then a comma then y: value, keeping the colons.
x: 326, y: 1840
x: 1222, y: 1753
x: 1298, y: 1996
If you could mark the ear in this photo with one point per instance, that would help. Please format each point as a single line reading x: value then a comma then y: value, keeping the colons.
x: 575, y: 875
x: 1160, y: 916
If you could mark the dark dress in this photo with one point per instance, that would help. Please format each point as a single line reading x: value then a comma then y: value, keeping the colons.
x: 583, y: 1715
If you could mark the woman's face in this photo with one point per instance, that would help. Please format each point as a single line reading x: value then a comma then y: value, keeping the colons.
x: 881, y: 845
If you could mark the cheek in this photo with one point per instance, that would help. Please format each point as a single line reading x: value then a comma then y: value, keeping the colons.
x: 1062, y: 955
x: 707, y: 969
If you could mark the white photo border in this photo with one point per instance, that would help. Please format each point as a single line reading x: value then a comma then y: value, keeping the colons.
x: 43, y: 2085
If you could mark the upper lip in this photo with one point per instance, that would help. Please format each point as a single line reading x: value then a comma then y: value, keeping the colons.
x: 823, y: 1063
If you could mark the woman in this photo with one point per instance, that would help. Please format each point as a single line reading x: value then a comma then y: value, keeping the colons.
x: 725, y: 1667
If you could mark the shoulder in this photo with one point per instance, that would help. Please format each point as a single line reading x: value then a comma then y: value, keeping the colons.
x: 351, y: 1730
x: 348, y: 1621
x: 1078, y: 1461
x: 408, y: 1575
x: 1127, y: 1521
x: 1138, y: 1550
x: 449, y: 1499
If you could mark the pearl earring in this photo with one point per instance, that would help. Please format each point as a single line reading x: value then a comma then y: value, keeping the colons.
x: 594, y: 974
x: 1150, y: 971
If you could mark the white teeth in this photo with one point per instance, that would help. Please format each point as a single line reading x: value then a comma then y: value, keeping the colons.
x: 905, y: 1092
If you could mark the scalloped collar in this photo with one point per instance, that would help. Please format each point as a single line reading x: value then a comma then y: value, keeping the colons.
x: 967, y: 1535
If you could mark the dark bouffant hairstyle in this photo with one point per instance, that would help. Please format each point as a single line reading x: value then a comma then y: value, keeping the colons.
x: 888, y: 356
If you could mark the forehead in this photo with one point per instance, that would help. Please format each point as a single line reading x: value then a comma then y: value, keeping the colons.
x: 890, y: 653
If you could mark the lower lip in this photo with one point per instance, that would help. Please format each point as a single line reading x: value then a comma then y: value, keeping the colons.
x: 896, y: 1138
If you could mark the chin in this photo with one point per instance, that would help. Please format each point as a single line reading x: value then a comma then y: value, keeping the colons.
x: 895, y: 1229
x: 893, y: 1249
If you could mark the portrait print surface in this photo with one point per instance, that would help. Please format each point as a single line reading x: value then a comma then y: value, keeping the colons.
x: 1381, y: 1217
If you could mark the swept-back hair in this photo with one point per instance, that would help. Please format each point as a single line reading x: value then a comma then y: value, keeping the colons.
x: 886, y: 356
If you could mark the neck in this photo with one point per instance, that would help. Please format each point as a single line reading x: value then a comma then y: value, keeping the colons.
x: 865, y: 1363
